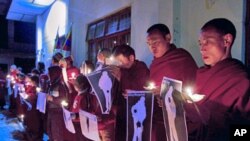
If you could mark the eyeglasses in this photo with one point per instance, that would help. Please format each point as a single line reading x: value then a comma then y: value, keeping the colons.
x: 153, y: 42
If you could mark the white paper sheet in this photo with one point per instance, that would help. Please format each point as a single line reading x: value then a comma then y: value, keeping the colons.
x: 89, y: 125
x: 41, y: 102
x: 68, y: 120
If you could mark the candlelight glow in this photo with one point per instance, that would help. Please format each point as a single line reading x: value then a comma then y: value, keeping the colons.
x: 64, y: 103
x: 89, y: 70
x: 73, y: 75
x: 193, y: 97
x: 38, y: 89
x: 151, y: 86
x: 189, y: 91
x: 8, y: 76
x: 22, y: 116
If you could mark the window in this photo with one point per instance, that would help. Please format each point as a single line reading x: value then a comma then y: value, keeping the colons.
x: 247, y: 50
x: 108, y: 32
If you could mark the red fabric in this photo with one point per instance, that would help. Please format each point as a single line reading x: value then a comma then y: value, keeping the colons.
x: 226, y: 90
x: 135, y: 78
x: 32, y: 118
x: 178, y: 64
x: 77, y: 104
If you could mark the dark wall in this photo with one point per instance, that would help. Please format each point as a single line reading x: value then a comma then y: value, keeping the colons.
x: 3, y: 32
x: 27, y: 64
x: 24, y: 32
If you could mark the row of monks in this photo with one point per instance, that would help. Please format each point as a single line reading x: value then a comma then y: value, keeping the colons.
x: 223, y: 80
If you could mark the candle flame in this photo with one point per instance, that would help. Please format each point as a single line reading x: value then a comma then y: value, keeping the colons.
x: 64, y: 103
x: 192, y: 96
x: 151, y: 86
x: 38, y: 89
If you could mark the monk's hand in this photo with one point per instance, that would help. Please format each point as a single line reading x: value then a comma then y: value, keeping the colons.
x: 159, y: 101
x: 156, y: 91
x: 115, y: 71
x: 125, y: 93
x: 49, y: 98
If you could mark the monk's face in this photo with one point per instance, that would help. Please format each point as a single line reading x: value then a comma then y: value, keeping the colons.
x: 126, y: 62
x: 212, y: 47
x: 158, y: 44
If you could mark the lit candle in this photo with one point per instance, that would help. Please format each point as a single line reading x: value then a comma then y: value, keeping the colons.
x: 189, y: 91
x: 193, y: 97
x: 8, y: 76
x: 151, y: 86
x: 73, y: 75
x: 64, y: 103
x: 38, y: 89
x: 89, y: 70
x: 22, y: 116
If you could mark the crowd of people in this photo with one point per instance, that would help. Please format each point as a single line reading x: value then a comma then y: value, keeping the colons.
x: 223, y: 80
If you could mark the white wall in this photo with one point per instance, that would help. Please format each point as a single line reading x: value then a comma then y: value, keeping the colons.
x: 183, y: 17
x: 53, y: 20
x: 144, y: 14
x: 195, y: 13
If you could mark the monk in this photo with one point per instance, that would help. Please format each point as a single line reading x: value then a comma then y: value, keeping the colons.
x: 132, y: 75
x: 57, y: 93
x: 32, y: 120
x: 71, y: 72
x: 224, y: 82
x: 169, y: 61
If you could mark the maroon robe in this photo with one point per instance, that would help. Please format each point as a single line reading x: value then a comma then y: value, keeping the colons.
x: 178, y: 64
x: 55, y: 123
x: 32, y: 118
x: 226, y: 90
x: 44, y: 82
x: 134, y: 78
x: 81, y: 101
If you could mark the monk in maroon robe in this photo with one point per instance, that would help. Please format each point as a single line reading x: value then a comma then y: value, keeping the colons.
x: 32, y: 120
x: 224, y: 82
x: 57, y: 93
x: 72, y: 72
x: 169, y: 61
x: 133, y: 75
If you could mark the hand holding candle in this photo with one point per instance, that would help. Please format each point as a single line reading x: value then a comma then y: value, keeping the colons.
x: 38, y: 89
x: 64, y: 103
x: 73, y: 75
x: 193, y: 97
x: 153, y: 88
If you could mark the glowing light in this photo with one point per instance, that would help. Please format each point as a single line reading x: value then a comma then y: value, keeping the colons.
x: 73, y: 75
x: 64, y: 103
x: 189, y: 91
x: 193, y: 97
x: 38, y: 89
x: 89, y: 70
x: 21, y: 116
x: 151, y: 86
x: 8, y: 76
x: 114, y: 42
